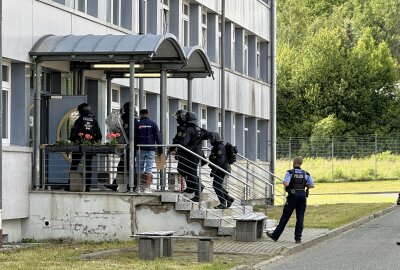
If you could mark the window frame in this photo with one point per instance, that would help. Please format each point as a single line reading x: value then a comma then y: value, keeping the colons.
x: 6, y: 87
x: 185, y: 21
x: 246, y: 54
x: 203, y: 26
x: 110, y: 12
x: 165, y: 18
x: 258, y: 59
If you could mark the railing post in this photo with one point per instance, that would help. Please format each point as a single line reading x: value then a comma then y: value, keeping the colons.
x: 376, y: 156
x: 332, y: 156
x: 244, y: 200
x: 247, y: 178
x: 43, y: 169
x: 84, y: 169
x: 199, y: 185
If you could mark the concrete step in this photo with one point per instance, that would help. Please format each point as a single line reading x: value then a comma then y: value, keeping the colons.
x: 212, y: 222
x: 169, y: 197
x: 197, y: 214
x: 183, y: 206
x: 226, y: 230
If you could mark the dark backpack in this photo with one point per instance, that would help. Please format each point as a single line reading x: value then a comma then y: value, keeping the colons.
x: 231, y: 152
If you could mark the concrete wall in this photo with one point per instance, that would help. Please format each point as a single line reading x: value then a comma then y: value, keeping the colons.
x: 98, y: 217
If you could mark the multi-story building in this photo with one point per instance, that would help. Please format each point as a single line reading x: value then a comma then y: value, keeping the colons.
x: 248, y: 56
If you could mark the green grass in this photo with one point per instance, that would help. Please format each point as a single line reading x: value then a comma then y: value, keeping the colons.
x: 381, y: 166
x: 330, y: 216
x: 67, y: 256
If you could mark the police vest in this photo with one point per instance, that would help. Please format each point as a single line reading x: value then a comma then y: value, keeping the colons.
x: 298, y: 179
x: 88, y: 125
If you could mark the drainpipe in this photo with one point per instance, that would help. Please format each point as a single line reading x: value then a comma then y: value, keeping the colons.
x: 273, y: 86
x: 163, y: 115
x: 141, y: 104
x: 131, y: 152
x: 190, y: 93
x: 109, y: 93
x: 222, y: 52
x: 36, y: 143
x: 1, y: 122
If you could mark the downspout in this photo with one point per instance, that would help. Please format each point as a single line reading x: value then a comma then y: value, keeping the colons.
x: 36, y: 143
x: 223, y: 70
x: 163, y: 115
x: 109, y: 94
x: 141, y: 104
x: 131, y: 152
x: 190, y: 93
x: 273, y: 85
x: 1, y: 122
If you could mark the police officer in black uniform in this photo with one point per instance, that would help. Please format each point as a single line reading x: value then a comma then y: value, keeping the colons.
x: 295, y: 182
x: 218, y: 157
x: 85, y: 125
x: 187, y: 165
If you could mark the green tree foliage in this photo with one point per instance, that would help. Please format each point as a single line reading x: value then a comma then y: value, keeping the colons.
x: 339, y: 60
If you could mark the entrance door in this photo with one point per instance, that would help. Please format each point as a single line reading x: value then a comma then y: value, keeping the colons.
x: 59, y: 115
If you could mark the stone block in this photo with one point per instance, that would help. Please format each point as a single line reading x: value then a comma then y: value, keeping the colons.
x: 146, y: 249
x: 226, y: 230
x: 197, y: 214
x: 183, y: 206
x: 246, y: 231
x: 169, y: 197
x: 212, y: 222
x: 205, y: 250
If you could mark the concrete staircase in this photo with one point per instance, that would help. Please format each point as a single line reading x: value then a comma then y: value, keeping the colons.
x: 221, y: 219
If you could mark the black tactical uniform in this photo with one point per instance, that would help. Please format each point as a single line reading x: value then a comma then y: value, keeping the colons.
x: 187, y: 165
x: 218, y: 157
x: 85, y: 124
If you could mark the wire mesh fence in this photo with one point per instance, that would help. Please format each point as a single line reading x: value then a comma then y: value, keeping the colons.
x: 343, y: 158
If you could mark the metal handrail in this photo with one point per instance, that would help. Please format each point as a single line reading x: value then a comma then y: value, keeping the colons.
x: 196, y: 155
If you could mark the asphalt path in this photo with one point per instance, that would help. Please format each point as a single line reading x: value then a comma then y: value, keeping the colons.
x: 370, y: 246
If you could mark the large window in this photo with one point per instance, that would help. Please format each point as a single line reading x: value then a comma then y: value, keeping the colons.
x: 164, y: 16
x: 246, y: 55
x: 119, y: 12
x: 258, y: 60
x: 219, y: 39
x: 233, y: 55
x: 204, y: 30
x: 90, y: 7
x: 185, y: 24
x: 6, y: 77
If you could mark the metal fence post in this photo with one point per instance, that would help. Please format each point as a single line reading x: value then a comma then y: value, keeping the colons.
x: 199, y: 185
x: 332, y: 156
x: 376, y: 156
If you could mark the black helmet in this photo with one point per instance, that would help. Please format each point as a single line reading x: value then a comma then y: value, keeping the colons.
x: 191, y: 117
x: 84, y: 109
x: 125, y: 109
x: 180, y: 116
x: 214, y: 137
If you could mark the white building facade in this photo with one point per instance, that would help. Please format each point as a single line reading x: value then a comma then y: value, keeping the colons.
x: 249, y: 76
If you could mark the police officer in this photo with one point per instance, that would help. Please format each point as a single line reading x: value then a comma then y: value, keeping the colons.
x: 187, y: 165
x: 295, y: 182
x: 85, y: 127
x: 218, y: 157
x: 180, y: 130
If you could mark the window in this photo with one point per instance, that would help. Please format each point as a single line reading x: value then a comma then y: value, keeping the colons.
x: 203, y: 121
x: 233, y: 129
x: 164, y: 16
x: 233, y: 47
x: 185, y: 24
x: 246, y: 55
x: 89, y: 7
x: 6, y: 78
x: 219, y: 39
x: 258, y: 60
x: 120, y: 13
x: 204, y: 31
x: 81, y: 5
x: 115, y: 95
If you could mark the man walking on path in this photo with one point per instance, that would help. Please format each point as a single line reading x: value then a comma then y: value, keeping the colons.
x: 295, y: 182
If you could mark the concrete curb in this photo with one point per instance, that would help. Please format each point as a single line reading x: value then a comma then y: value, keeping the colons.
x: 291, y: 250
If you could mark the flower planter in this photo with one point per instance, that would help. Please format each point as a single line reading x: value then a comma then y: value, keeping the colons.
x: 62, y: 148
x: 98, y: 149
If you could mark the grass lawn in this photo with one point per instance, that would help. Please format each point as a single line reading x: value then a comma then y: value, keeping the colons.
x: 66, y: 256
x: 328, y: 208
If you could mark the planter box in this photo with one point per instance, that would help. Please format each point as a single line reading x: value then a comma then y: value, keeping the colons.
x: 98, y: 149
x: 62, y: 148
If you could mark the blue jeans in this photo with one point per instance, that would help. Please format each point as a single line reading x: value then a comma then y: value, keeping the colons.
x: 146, y: 160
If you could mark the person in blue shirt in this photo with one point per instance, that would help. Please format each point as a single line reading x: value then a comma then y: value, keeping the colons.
x: 147, y: 132
x: 295, y: 182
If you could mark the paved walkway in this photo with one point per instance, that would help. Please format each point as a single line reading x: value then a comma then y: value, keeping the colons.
x: 264, y: 246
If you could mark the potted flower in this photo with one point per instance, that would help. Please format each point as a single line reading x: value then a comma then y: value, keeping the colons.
x: 88, y: 146
x: 62, y: 146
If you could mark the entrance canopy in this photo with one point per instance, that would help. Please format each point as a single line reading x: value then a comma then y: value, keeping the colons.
x: 154, y: 52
